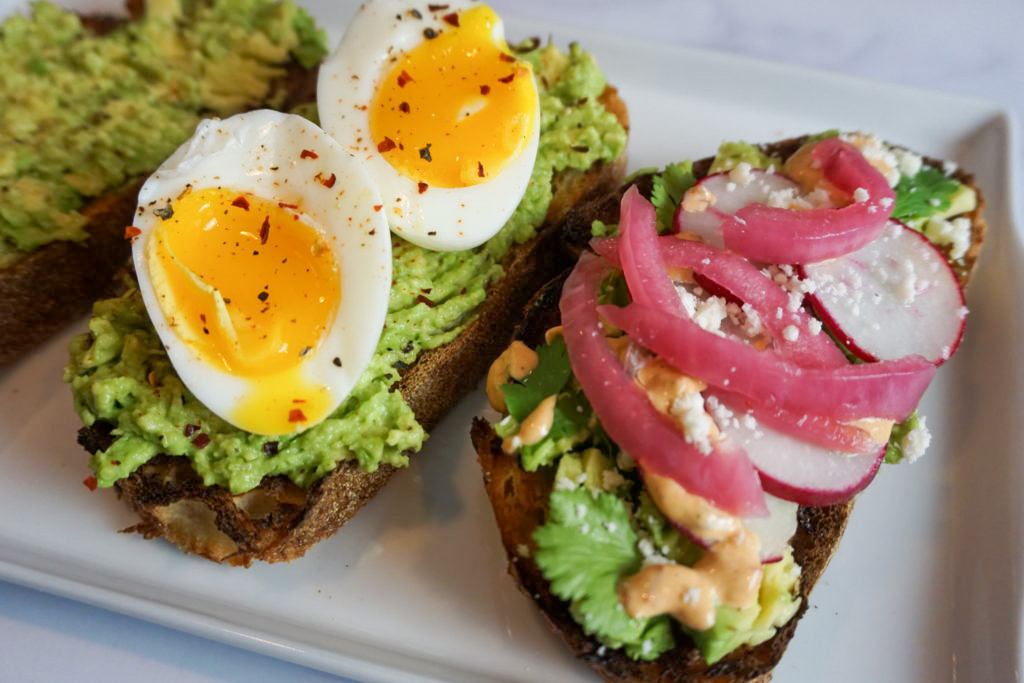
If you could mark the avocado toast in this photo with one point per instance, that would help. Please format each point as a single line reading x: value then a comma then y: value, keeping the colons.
x: 572, y: 489
x: 236, y: 497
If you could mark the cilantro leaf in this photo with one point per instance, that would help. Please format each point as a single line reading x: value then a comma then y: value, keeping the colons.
x: 547, y: 379
x: 915, y: 194
x: 668, y: 189
x: 894, y: 451
x: 583, y: 550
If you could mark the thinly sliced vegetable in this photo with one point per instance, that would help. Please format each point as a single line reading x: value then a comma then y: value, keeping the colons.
x: 748, y: 285
x: 640, y: 257
x: 724, y: 477
x: 888, y: 389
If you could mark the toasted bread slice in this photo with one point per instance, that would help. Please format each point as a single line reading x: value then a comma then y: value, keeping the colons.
x: 279, y: 521
x: 42, y: 292
x: 520, y: 498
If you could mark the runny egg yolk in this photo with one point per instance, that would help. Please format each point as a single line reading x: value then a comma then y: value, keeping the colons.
x: 250, y: 287
x: 457, y: 108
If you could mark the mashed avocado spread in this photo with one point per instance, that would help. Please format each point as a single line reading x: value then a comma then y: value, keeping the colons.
x: 82, y: 114
x: 120, y: 374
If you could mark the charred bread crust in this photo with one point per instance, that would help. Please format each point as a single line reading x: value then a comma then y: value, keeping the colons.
x: 520, y: 498
x: 45, y: 290
x: 279, y: 521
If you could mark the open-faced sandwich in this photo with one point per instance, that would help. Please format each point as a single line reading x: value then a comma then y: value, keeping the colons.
x: 281, y: 352
x: 689, y: 415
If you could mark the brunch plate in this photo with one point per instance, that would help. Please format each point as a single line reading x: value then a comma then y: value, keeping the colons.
x: 926, y: 585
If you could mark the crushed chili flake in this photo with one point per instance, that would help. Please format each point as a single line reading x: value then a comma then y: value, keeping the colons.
x: 328, y: 181
x: 270, y: 447
x: 265, y: 230
x: 305, y: 350
x: 403, y: 107
x: 308, y: 154
x: 422, y: 186
x: 191, y: 429
x: 337, y: 361
x: 262, y: 296
x: 506, y: 58
x: 507, y: 79
x: 452, y: 19
x: 241, y: 202
x: 90, y: 483
x: 131, y: 232
x: 436, y: 8
x: 432, y: 232
x: 296, y: 415
x: 115, y: 463
x: 480, y: 169
x: 201, y: 441
x: 378, y: 207
x: 415, y: 13
x: 202, y: 316
x: 580, y: 148
x: 429, y: 33
x: 403, y: 78
x: 284, y: 205
x: 484, y: 89
x: 298, y: 400
x: 425, y: 153
x: 386, y: 145
x: 424, y: 300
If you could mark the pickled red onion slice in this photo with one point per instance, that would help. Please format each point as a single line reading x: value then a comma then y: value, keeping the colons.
x: 888, y: 389
x: 773, y: 235
x: 749, y: 285
x: 724, y: 477
x: 640, y: 256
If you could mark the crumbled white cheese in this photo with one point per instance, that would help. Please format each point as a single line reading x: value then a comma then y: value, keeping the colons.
x: 752, y: 323
x: 710, y: 313
x: 564, y: 484
x: 782, y: 199
x: 916, y: 441
x: 861, y: 195
x: 581, y: 510
x: 741, y: 174
x: 949, y: 167
x: 523, y: 550
x: 689, y: 410
x: 611, y: 527
x: 886, y: 202
x: 791, y: 333
x: 906, y: 288
x: 814, y: 327
x: 955, y: 232
x: 907, y: 162
x: 698, y: 198
x: 691, y: 596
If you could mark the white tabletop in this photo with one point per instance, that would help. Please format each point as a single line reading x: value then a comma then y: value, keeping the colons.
x: 966, y: 48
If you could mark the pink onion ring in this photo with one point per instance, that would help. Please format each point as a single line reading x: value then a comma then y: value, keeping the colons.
x: 640, y: 256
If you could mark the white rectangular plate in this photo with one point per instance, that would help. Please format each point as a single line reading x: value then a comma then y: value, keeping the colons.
x: 927, y: 584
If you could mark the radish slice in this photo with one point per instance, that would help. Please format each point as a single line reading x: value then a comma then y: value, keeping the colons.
x: 772, y: 235
x: 640, y: 256
x: 724, y: 477
x: 729, y: 197
x: 802, y: 472
x: 815, y: 429
x: 901, y: 279
x: 888, y: 389
x: 745, y: 283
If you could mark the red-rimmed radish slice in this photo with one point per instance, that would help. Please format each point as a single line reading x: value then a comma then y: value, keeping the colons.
x: 640, y: 256
x: 724, y: 197
x: 724, y: 477
x: 746, y: 284
x: 816, y: 429
x: 802, y: 472
x: 896, y: 296
x: 888, y: 389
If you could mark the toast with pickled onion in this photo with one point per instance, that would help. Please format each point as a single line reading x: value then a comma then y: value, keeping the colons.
x: 685, y: 426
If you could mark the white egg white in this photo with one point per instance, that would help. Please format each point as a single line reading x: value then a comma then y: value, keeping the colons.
x: 260, y: 152
x: 442, y: 218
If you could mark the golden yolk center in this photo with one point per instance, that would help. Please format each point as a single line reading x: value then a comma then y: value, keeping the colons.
x: 457, y: 108
x: 250, y: 288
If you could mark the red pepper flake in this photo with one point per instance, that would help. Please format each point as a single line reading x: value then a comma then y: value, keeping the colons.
x: 429, y: 33
x: 115, y: 463
x: 90, y: 483
x: 480, y: 169
x: 262, y: 296
x: 326, y: 182
x: 403, y: 107
x: 201, y: 441
x: 296, y: 415
x: 378, y: 207
x: 436, y: 8
x: 386, y: 145
x: 424, y: 300
x: 308, y: 154
x: 484, y: 89
x: 452, y: 19
x: 422, y: 186
x: 131, y: 232
x: 403, y: 78
x: 265, y: 230
x: 191, y: 429
x: 337, y: 361
x: 508, y: 79
x: 241, y: 202
x: 506, y: 58
x: 287, y: 206
x: 298, y: 400
x: 425, y: 153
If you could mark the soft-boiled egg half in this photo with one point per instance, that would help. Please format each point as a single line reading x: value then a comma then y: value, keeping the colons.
x: 264, y: 261
x: 446, y: 118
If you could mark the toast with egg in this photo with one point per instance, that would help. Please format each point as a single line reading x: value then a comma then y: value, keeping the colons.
x: 520, y: 498
x: 45, y: 290
x: 280, y: 521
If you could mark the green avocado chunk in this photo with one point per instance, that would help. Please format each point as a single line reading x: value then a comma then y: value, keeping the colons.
x: 81, y: 114
x: 119, y: 372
